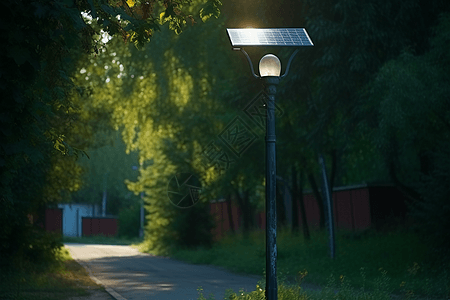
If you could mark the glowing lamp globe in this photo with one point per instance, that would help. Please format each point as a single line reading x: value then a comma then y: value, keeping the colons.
x: 269, y: 65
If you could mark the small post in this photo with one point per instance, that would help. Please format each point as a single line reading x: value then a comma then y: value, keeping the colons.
x: 105, y: 180
x: 326, y: 189
x: 141, y: 228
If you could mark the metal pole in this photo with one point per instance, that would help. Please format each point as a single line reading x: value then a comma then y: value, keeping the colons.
x: 141, y: 229
x: 326, y: 189
x: 105, y: 178
x: 270, y: 84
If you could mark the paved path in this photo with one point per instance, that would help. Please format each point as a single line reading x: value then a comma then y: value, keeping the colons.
x: 128, y: 274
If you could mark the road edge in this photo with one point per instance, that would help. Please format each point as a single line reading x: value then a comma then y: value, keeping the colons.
x: 109, y: 290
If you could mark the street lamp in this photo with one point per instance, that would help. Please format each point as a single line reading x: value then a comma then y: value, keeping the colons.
x: 269, y: 65
x: 270, y: 70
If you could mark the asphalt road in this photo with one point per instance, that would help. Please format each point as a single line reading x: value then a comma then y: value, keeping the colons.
x: 128, y: 274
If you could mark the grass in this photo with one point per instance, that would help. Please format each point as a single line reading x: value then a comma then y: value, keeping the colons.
x: 102, y: 240
x: 64, y: 279
x: 341, y: 291
x: 394, y: 262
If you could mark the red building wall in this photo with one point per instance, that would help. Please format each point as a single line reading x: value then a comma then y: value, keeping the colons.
x: 360, y: 201
x: 351, y: 208
x: 99, y: 226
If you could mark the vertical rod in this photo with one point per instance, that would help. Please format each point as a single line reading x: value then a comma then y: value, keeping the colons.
x: 105, y: 178
x: 78, y: 222
x: 271, y: 177
x: 326, y: 189
x: 141, y: 228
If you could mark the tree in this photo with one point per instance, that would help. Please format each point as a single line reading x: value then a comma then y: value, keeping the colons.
x: 35, y: 113
x: 410, y: 98
x: 42, y: 42
x: 352, y: 41
x: 153, y: 104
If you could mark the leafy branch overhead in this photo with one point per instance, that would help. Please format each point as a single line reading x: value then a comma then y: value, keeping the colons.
x: 211, y: 9
x: 137, y: 20
x: 64, y: 26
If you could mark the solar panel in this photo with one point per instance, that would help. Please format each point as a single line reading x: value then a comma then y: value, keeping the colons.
x: 293, y: 37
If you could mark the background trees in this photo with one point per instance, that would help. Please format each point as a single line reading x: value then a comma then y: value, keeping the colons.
x: 371, y: 96
x: 410, y: 94
x: 166, y: 108
x: 40, y: 117
x: 338, y: 101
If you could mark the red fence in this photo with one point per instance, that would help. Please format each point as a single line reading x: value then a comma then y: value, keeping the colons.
x: 219, y: 210
x: 99, y: 226
x: 351, y: 209
x: 355, y: 208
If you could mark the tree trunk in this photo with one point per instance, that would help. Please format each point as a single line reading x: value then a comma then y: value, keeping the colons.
x: 297, y: 191
x: 281, y: 209
x: 244, y: 204
x: 230, y: 213
x: 313, y: 183
x: 305, y: 226
x: 333, y: 170
x: 295, y: 197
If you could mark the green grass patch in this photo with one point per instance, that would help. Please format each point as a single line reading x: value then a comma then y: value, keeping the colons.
x: 394, y: 262
x: 102, y: 240
x: 63, y: 279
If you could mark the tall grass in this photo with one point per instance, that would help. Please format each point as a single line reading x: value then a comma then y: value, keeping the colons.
x: 62, y: 279
x: 398, y: 260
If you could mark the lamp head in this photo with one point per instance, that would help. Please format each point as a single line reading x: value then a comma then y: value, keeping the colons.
x: 269, y: 65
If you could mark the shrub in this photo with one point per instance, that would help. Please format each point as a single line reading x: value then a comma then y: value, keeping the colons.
x: 129, y: 221
x: 33, y: 250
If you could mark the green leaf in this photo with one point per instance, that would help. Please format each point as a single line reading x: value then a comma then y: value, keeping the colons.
x: 162, y: 17
x: 211, y: 9
x: 204, y: 16
x: 167, y: 15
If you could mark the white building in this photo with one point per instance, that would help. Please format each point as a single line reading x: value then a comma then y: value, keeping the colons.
x: 72, y: 215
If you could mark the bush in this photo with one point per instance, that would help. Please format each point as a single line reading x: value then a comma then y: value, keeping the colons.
x: 129, y: 221
x: 32, y: 250
x: 43, y: 247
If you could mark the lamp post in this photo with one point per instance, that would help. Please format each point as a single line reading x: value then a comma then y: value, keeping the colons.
x: 270, y: 70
